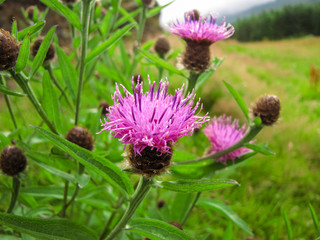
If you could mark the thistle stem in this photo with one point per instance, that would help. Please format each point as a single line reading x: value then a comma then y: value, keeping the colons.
x: 192, y: 80
x: 253, y: 131
x: 23, y: 82
x: 86, y: 6
x: 15, y: 193
x: 190, y: 208
x: 140, y: 193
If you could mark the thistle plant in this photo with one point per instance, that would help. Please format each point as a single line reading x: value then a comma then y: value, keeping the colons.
x: 83, y: 185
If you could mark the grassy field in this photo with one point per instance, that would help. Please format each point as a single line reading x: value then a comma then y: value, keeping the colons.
x: 289, y: 180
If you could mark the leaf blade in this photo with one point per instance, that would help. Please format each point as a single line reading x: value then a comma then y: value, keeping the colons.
x: 30, y: 30
x: 8, y: 91
x: 23, y: 55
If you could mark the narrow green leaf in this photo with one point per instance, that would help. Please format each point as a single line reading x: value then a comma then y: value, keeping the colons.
x: 68, y: 71
x: 8, y: 91
x: 160, y: 62
x: 50, y: 101
x: 315, y: 219
x: 127, y: 16
x: 4, y: 141
x: 42, y: 52
x: 189, y: 186
x: 30, y: 30
x: 260, y: 148
x: 57, y: 229
x: 14, y: 29
x: 225, y: 210
x: 35, y: 14
x: 228, y: 234
x: 239, y: 100
x: 105, y: 45
x: 98, y: 164
x: 288, y: 225
x: 47, y: 192
x: 63, y: 10
x: 23, y: 55
x: 157, y: 10
x: 157, y: 230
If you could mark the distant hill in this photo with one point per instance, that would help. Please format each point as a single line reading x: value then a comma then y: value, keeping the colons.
x: 267, y: 6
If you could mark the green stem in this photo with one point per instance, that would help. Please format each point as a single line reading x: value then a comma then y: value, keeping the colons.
x: 55, y: 81
x: 190, y: 208
x: 142, y: 23
x: 65, y: 199
x: 15, y: 193
x: 86, y: 6
x: 253, y: 131
x: 140, y: 193
x: 192, y: 80
x: 23, y: 82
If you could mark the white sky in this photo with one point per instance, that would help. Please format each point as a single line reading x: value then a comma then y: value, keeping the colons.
x: 179, y: 7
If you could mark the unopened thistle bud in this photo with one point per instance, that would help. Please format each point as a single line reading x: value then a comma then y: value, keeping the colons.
x: 12, y: 161
x: 80, y: 136
x: 150, y: 163
x: 35, y: 48
x: 148, y: 3
x: 268, y: 109
x: 105, y: 106
x: 30, y: 11
x: 137, y: 78
x: 9, y: 50
x: 162, y: 46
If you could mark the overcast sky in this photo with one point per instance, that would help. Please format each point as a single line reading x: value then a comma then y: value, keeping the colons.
x: 225, y: 7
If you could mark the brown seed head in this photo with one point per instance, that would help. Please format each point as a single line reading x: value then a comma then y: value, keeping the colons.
x: 268, y: 109
x: 136, y: 78
x: 35, y: 47
x: 162, y: 46
x: 30, y: 11
x: 105, y: 106
x: 161, y: 204
x: 150, y: 162
x: 197, y: 55
x: 80, y: 136
x: 9, y: 50
x: 12, y: 161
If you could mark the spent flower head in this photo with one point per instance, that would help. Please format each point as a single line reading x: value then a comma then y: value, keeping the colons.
x: 152, y: 119
x: 223, y: 133
x: 202, y: 29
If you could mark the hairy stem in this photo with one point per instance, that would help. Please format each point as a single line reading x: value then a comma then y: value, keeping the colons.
x: 140, y: 193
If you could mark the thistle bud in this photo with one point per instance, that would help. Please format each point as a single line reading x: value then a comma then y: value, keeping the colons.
x: 268, y: 109
x: 162, y: 46
x: 30, y: 11
x: 137, y: 78
x: 12, y: 161
x: 149, y: 162
x: 9, y: 50
x: 35, y: 47
x: 80, y: 136
x: 105, y: 106
x: 148, y: 3
x: 196, y: 57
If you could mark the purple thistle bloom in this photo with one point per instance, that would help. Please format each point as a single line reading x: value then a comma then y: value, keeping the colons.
x: 223, y: 133
x: 155, y: 118
x: 205, y: 29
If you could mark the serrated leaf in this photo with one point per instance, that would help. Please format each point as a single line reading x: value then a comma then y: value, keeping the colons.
x: 30, y: 30
x: 64, y: 11
x: 68, y: 71
x: 8, y: 91
x: 157, y: 10
x: 42, y: 52
x: 225, y: 210
x: 23, y: 55
x: 157, y: 230
x: 239, y: 100
x: 50, y: 101
x: 189, y: 186
x: 57, y: 229
x: 160, y: 62
x: 108, y: 43
x: 98, y: 164
x: 260, y: 148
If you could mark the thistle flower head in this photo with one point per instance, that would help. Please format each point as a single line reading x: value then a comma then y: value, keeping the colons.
x: 204, y: 29
x: 9, y: 50
x: 153, y: 119
x: 222, y: 132
x: 12, y: 161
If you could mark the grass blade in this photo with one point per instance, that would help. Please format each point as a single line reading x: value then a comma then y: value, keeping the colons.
x: 23, y: 55
x: 100, y: 165
x: 314, y: 218
x: 288, y: 225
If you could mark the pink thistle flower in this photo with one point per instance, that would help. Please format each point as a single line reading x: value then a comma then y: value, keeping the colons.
x: 224, y: 133
x: 203, y: 30
x: 152, y: 119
